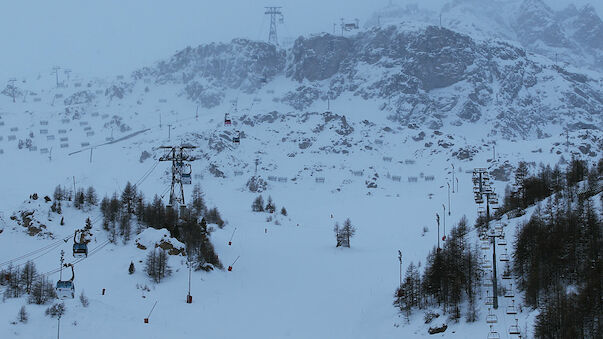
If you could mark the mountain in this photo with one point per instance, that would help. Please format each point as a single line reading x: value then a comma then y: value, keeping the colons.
x: 416, y: 75
x: 570, y: 35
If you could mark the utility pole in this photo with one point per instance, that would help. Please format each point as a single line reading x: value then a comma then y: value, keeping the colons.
x: 448, y: 183
x: 452, y: 177
x: 177, y: 155
x: 256, y: 166
x: 169, y: 132
x: 91, y: 154
x: 444, y: 220
x: 59, y: 327
x: 61, y: 269
x: 457, y: 185
x: 197, y: 113
x: 438, y: 221
x: 274, y: 12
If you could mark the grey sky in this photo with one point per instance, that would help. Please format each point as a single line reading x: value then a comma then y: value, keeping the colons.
x: 117, y: 36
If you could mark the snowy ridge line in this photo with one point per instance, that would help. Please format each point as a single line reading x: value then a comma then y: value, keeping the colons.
x: 34, y: 252
x: 95, y: 250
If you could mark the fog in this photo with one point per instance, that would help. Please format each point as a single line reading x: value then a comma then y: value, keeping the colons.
x: 111, y: 37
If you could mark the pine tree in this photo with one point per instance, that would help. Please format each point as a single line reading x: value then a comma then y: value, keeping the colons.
x: 128, y: 197
x: 348, y: 231
x: 22, y: 316
x: 284, y: 211
x: 157, y: 265
x: 270, y: 208
x: 28, y: 274
x: 258, y: 204
x: 42, y: 291
x: 198, y: 203
x: 131, y: 268
x: 91, y: 198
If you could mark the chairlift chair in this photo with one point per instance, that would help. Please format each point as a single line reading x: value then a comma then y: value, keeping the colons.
x: 514, y: 329
x: 511, y: 308
x: 504, y: 257
x: 507, y: 273
x: 66, y: 288
x: 493, y: 334
x: 227, y: 121
x: 491, y: 318
x: 502, y: 241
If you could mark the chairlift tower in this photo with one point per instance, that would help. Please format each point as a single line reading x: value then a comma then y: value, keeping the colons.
x: 178, y: 155
x: 481, y: 188
x: 56, y: 69
x: 274, y: 12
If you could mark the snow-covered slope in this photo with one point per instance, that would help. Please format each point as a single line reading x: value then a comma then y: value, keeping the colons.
x: 405, y: 105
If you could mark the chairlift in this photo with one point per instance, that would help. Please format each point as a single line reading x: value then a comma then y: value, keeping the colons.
x: 502, y: 241
x: 186, y: 174
x: 514, y: 329
x: 504, y: 257
x: 237, y: 139
x: 80, y: 248
x: 493, y: 334
x: 511, y: 308
x: 507, y: 273
x: 509, y: 292
x: 485, y: 245
x: 66, y: 288
x: 491, y: 318
x: 227, y: 121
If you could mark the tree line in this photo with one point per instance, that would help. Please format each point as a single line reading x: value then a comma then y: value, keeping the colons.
x: 127, y: 212
x: 557, y: 254
x: 451, y: 276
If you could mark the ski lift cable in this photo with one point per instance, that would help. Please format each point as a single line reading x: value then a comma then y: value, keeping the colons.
x: 93, y: 251
x: 34, y: 252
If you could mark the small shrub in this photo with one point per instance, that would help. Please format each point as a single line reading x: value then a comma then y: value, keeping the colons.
x: 22, y: 316
x: 56, y: 310
x: 84, y: 300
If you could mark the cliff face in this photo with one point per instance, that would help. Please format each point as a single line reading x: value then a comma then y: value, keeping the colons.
x: 418, y: 75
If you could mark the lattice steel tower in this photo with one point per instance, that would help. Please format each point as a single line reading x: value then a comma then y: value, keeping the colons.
x: 274, y: 12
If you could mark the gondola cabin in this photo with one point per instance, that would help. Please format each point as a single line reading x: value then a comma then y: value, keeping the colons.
x: 65, y: 289
x: 186, y: 175
x: 80, y: 250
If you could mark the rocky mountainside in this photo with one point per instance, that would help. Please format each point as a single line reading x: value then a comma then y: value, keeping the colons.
x: 570, y: 35
x: 418, y: 75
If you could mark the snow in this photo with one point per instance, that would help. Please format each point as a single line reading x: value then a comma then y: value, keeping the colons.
x: 290, y: 280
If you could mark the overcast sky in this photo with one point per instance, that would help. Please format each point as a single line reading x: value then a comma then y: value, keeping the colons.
x: 108, y: 37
